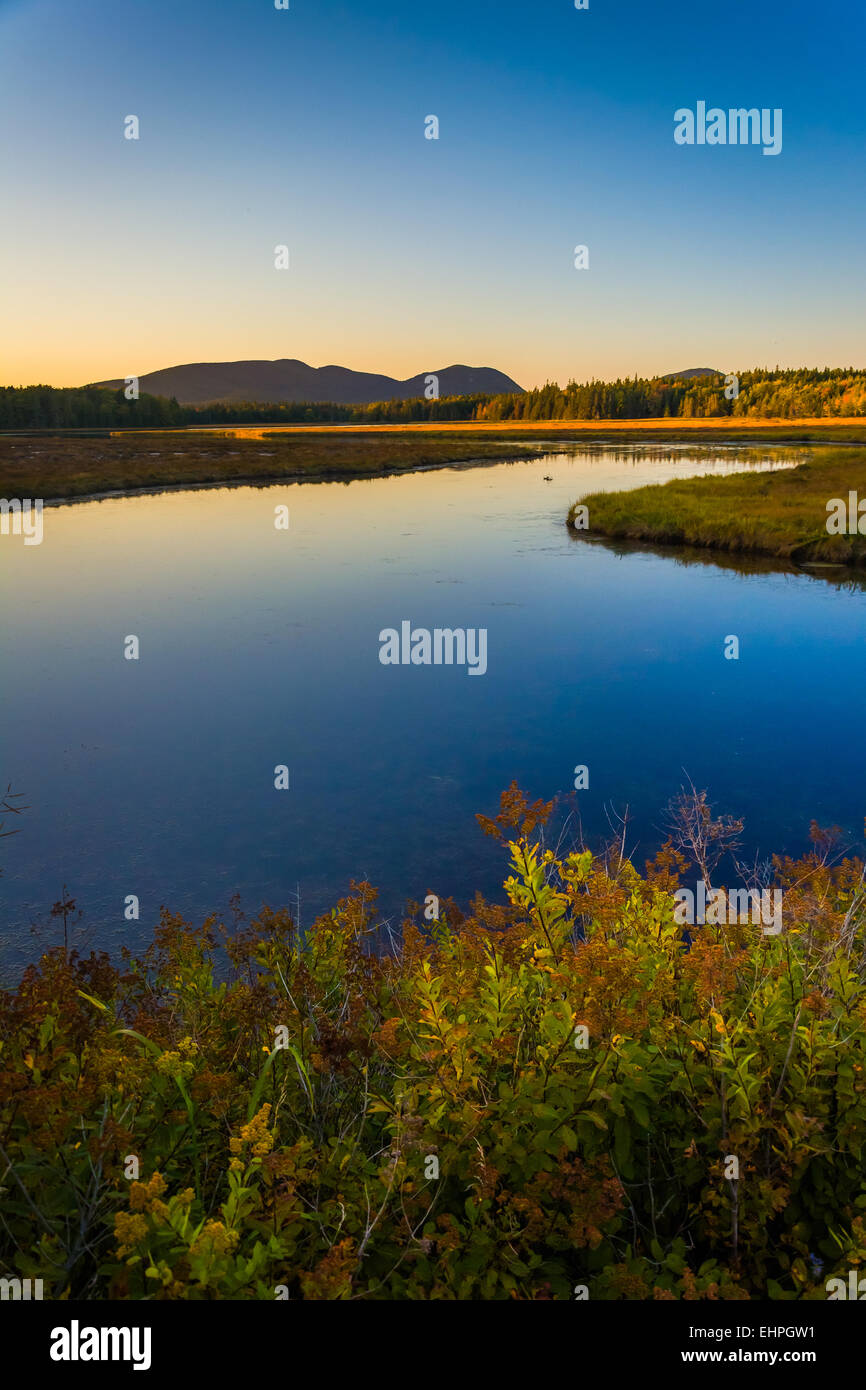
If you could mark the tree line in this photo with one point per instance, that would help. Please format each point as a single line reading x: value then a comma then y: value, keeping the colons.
x: 96, y: 407
x: 801, y: 392
x: 762, y: 393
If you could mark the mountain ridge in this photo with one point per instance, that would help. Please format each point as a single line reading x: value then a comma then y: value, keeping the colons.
x: 690, y: 374
x: 269, y: 382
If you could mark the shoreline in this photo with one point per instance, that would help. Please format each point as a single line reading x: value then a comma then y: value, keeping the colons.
x: 778, y: 515
x: 292, y: 479
x: 61, y: 468
x: 665, y: 425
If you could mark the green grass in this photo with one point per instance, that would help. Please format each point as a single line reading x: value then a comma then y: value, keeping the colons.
x: 781, y: 514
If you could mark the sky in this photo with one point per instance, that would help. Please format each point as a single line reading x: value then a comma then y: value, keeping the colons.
x: 306, y: 128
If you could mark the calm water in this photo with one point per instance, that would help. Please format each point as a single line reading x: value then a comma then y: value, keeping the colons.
x: 260, y: 647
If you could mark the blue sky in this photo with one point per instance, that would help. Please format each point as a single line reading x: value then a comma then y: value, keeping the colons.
x: 306, y: 127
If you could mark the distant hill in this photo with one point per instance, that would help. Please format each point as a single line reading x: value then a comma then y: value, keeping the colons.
x: 689, y: 373
x: 205, y: 383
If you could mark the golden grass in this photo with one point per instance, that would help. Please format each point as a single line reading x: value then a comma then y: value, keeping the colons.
x: 723, y: 425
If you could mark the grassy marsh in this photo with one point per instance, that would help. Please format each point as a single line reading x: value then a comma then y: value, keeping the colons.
x: 56, y: 465
x: 782, y: 514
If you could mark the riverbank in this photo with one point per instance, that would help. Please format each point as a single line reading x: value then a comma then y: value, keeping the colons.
x: 782, y: 514
x: 58, y: 466
x: 545, y: 1096
x: 77, y: 466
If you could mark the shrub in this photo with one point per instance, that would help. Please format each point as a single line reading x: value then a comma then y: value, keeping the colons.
x: 250, y: 1114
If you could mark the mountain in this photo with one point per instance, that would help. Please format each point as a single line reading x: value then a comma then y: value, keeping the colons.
x: 689, y: 373
x: 205, y: 383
